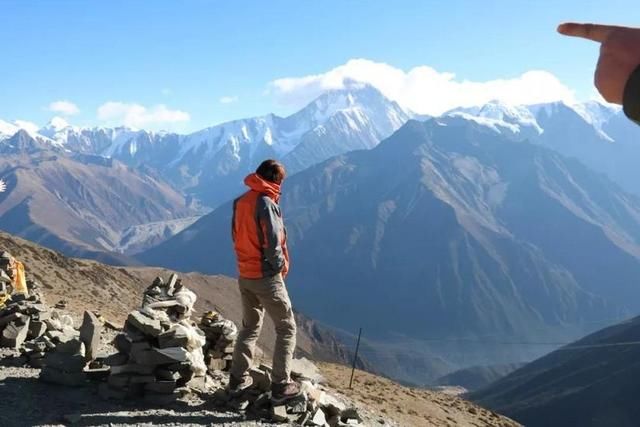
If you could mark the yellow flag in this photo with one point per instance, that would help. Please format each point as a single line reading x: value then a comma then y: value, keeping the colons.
x: 19, y: 279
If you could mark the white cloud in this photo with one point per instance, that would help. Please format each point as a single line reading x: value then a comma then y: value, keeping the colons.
x: 30, y: 127
x: 423, y: 89
x: 139, y: 116
x: 66, y: 108
x: 228, y: 99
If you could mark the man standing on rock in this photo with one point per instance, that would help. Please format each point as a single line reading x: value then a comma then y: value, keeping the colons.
x: 260, y: 242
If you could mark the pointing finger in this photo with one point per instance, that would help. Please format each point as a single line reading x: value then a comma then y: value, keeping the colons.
x: 595, y: 32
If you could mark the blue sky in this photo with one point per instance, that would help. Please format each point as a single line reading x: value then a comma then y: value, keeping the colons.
x: 150, y: 61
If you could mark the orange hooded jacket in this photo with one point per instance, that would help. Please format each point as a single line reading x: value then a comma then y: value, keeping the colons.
x: 259, y: 235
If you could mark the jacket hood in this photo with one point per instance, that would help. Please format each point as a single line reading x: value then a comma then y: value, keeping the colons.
x: 271, y: 189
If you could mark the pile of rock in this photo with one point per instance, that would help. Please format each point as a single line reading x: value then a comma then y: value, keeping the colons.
x: 221, y: 336
x: 23, y: 311
x: 59, y: 330
x: 314, y: 406
x: 46, y: 338
x: 68, y: 351
x: 160, y: 349
x: 25, y: 317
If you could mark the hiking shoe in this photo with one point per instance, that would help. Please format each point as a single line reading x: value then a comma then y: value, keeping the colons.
x: 281, y: 393
x: 237, y: 387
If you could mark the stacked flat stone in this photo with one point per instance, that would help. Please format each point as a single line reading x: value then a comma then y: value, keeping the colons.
x: 68, y: 351
x: 58, y: 330
x: 159, y: 350
x: 221, y: 337
x: 47, y: 338
x: 23, y: 318
x: 65, y: 364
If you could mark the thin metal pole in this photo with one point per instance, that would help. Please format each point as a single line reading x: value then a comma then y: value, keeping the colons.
x: 355, y: 358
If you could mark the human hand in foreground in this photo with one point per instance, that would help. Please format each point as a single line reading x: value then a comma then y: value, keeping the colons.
x: 619, y: 55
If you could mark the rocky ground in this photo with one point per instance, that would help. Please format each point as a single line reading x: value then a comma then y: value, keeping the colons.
x: 378, y: 401
x: 27, y: 401
x: 31, y: 402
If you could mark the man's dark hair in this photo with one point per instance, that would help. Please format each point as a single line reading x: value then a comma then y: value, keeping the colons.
x: 271, y: 170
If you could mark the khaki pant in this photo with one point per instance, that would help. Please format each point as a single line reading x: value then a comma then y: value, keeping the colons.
x: 270, y: 295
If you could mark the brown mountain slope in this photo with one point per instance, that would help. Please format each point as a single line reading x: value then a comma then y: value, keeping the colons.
x: 592, y: 382
x: 410, y: 406
x: 79, y: 203
x: 113, y: 292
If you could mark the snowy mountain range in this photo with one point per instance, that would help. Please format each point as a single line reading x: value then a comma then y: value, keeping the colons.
x: 598, y: 135
x: 211, y: 163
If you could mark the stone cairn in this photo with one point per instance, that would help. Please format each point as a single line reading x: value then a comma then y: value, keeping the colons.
x: 46, y: 338
x: 24, y: 318
x: 160, y: 349
x: 221, y: 336
x: 66, y: 364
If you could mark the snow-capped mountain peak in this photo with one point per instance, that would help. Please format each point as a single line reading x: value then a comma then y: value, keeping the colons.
x: 57, y: 123
x: 595, y: 112
x: 499, y: 115
x: 357, y: 104
x: 511, y: 113
x: 54, y: 128
x: 353, y: 96
x: 517, y: 119
x: 7, y: 129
